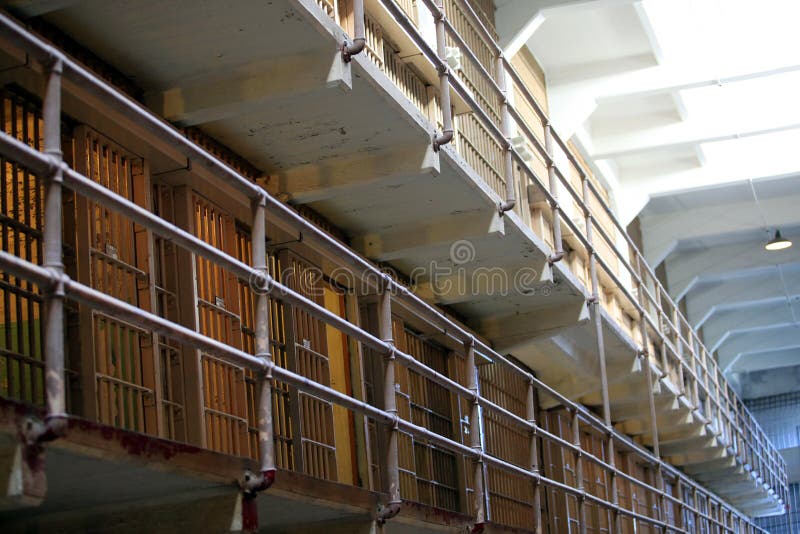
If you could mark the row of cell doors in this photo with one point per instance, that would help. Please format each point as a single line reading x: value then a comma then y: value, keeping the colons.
x: 132, y: 378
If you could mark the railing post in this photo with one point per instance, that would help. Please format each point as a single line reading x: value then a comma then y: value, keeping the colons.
x: 654, y: 427
x: 680, y: 521
x: 530, y: 409
x: 601, y: 350
x: 56, y: 420
x: 444, y: 79
x: 645, y: 361
x: 260, y: 285
x: 576, y: 440
x: 558, y: 252
x: 389, y: 404
x: 476, y: 439
x: 508, y: 163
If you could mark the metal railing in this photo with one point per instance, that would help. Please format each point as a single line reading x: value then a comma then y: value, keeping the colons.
x: 57, y: 286
x: 662, y: 327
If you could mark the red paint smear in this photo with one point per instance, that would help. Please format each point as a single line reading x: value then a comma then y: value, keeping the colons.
x: 249, y: 514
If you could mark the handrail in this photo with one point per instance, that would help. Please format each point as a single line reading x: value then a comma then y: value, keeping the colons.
x: 38, y: 163
x: 530, y: 99
x: 707, y: 368
x: 10, y: 147
x: 46, y: 278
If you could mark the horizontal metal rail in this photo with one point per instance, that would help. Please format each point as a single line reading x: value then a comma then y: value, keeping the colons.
x: 37, y: 162
x: 48, y: 278
x: 530, y: 99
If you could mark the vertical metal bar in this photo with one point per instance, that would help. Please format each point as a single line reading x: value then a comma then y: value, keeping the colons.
x: 601, y: 350
x: 680, y: 521
x: 389, y: 404
x: 645, y: 362
x: 260, y: 285
x: 476, y: 437
x: 508, y: 163
x: 576, y: 440
x: 56, y: 423
x: 530, y: 412
x: 558, y: 251
x: 359, y: 31
x: 444, y: 79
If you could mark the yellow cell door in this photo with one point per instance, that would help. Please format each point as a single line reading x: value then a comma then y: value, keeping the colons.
x: 118, y: 372
x: 219, y: 317
x: 324, y: 447
x: 339, y: 363
x: 21, y: 203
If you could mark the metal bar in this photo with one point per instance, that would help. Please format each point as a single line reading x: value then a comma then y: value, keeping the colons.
x: 186, y: 240
x: 601, y: 354
x: 489, y: 39
x: 266, y: 445
x: 407, y: 299
x: 551, y: 174
x: 53, y: 294
x: 466, y: 50
x: 144, y: 319
x: 359, y: 30
x: 482, y: 512
x: 576, y: 440
x: 390, y: 407
x: 110, y: 305
x: 508, y: 161
x: 444, y: 80
x: 161, y: 130
x: 522, y: 125
x: 543, y: 117
x: 530, y: 413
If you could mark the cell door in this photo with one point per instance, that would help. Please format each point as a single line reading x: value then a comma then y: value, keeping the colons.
x: 559, y: 465
x: 21, y: 205
x: 429, y: 475
x: 113, y: 256
x: 324, y: 447
x: 316, y: 453
x: 165, y: 284
x: 218, y: 313
x: 281, y: 419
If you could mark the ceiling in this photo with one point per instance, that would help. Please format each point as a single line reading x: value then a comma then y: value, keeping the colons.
x: 695, y: 130
x: 743, y: 299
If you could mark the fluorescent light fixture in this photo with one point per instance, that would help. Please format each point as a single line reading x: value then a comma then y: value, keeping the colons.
x: 778, y: 242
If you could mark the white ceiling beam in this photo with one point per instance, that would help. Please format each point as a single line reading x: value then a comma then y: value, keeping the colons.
x: 677, y: 135
x: 747, y: 318
x: 647, y: 25
x: 517, y: 20
x: 782, y: 340
x: 687, y: 269
x: 663, y: 232
x: 660, y: 79
x: 714, y: 297
x: 579, y: 98
x: 658, y: 183
x: 523, y: 35
x: 687, y: 81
